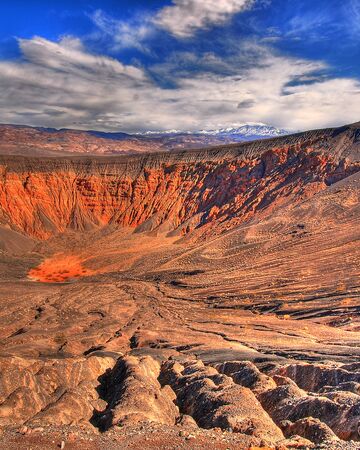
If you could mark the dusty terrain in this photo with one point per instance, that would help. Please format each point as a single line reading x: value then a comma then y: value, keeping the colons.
x: 201, y: 299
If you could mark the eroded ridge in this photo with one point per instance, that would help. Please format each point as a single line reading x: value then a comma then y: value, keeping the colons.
x: 257, y: 409
x: 35, y: 392
x: 214, y: 400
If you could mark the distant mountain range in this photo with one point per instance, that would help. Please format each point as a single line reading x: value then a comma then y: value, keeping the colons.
x: 39, y: 141
x: 240, y: 132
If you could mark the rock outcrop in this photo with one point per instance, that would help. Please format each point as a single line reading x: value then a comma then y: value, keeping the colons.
x: 40, y: 392
x: 288, y: 402
x: 214, y: 400
x: 134, y: 394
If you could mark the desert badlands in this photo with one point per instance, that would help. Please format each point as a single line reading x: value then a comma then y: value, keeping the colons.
x: 205, y: 298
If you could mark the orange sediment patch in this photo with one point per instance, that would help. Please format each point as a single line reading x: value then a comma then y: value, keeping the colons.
x: 60, y: 268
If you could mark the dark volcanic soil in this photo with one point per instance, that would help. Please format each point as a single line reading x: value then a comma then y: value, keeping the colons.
x: 207, y: 299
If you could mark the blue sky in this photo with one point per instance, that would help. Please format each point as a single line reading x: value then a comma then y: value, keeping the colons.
x: 181, y: 64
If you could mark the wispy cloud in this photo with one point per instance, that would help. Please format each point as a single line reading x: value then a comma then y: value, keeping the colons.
x: 352, y: 12
x: 60, y: 84
x: 181, y: 19
x: 124, y: 34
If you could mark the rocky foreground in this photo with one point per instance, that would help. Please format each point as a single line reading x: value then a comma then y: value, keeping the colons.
x: 203, y: 299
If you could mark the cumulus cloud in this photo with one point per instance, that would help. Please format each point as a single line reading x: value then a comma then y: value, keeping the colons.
x: 184, y: 17
x: 61, y: 84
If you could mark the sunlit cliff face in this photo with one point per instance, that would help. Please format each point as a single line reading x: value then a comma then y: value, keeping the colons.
x: 172, y: 196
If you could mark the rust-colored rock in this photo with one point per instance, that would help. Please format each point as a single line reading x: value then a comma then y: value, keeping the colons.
x: 310, y: 428
x: 214, y: 190
x: 37, y: 392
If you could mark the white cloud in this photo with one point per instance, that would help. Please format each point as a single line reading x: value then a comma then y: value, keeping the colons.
x: 60, y: 84
x: 184, y: 17
x: 181, y: 19
x: 124, y: 34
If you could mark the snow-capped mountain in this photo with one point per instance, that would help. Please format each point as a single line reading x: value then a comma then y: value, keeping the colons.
x: 161, y: 133
x: 247, y: 129
x: 237, y: 132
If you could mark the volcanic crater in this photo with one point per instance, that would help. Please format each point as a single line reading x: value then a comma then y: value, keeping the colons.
x: 216, y: 302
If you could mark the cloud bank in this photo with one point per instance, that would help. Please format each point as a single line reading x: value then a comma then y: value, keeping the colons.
x: 61, y: 84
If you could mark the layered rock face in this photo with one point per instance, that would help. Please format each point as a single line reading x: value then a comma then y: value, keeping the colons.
x: 175, y: 193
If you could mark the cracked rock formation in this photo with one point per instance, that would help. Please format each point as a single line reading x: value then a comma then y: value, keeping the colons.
x: 214, y: 400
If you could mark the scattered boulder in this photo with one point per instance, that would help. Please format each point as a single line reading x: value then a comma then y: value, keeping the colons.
x: 186, y: 421
x: 310, y: 428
